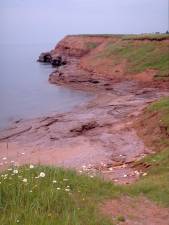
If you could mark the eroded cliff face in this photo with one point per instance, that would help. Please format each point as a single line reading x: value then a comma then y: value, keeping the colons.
x: 79, y: 58
x: 73, y: 46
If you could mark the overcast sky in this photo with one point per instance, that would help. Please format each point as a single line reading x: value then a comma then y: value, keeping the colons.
x: 42, y: 21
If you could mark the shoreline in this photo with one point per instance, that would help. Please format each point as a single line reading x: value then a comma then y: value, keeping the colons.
x: 96, y: 138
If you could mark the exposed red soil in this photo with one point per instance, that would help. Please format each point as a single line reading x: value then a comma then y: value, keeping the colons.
x: 98, y: 137
x: 135, y: 211
x: 152, y: 132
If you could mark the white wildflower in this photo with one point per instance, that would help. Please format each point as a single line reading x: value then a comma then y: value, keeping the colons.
x: 54, y: 181
x: 31, y: 166
x: 58, y: 188
x: 144, y: 174
x: 67, y: 189
x: 42, y: 174
x: 4, y: 158
x: 15, y: 171
x: 25, y: 180
x: 125, y: 175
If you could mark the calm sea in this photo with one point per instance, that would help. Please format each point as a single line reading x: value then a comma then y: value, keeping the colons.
x: 24, y: 88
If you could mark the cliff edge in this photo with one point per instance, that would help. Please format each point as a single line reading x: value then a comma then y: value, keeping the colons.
x: 85, y: 58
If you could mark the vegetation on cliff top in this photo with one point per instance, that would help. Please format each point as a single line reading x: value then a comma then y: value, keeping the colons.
x: 139, y: 56
x: 134, y: 54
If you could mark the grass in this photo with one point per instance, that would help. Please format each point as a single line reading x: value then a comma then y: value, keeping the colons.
x: 140, y: 56
x: 146, y: 36
x: 64, y: 197
x: 38, y: 201
x: 162, y: 107
x: 156, y: 184
x: 91, y: 45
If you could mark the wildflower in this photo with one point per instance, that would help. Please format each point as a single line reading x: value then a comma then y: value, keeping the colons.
x: 42, y: 174
x: 31, y: 166
x: 9, y: 169
x: 91, y: 176
x: 144, y: 174
x: 12, y: 161
x: 4, y: 158
x: 30, y: 191
x: 25, y: 180
x: 17, y: 221
x: 110, y: 168
x: 67, y: 189
x: 58, y: 188
x: 54, y: 181
x: 125, y: 175
x: 15, y: 171
x: 23, y: 153
x: 65, y: 179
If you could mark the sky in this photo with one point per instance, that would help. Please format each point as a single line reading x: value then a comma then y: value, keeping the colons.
x: 43, y: 21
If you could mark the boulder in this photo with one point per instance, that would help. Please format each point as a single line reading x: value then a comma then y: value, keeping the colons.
x: 45, y: 57
x: 58, y: 61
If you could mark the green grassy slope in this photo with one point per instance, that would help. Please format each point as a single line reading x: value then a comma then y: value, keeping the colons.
x: 139, y: 52
x: 140, y: 56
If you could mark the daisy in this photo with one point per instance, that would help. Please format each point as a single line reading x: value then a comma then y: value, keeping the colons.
x: 25, y: 180
x: 42, y: 174
x: 15, y: 171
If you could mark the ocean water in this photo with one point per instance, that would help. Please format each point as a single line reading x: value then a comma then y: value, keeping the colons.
x: 24, y: 88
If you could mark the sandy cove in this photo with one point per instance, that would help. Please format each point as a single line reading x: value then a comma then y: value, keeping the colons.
x: 96, y: 137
